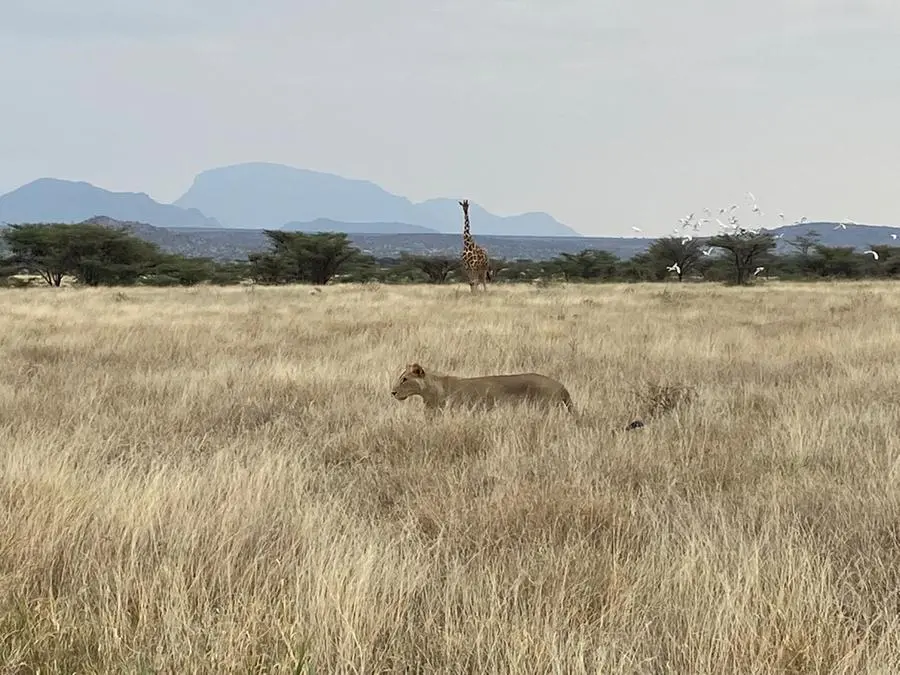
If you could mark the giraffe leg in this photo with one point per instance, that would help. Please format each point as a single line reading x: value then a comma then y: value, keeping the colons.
x: 473, y: 280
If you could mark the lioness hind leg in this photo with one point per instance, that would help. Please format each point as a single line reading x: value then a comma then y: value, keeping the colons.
x: 567, y: 401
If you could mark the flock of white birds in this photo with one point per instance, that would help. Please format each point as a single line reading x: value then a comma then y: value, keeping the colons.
x: 689, y: 227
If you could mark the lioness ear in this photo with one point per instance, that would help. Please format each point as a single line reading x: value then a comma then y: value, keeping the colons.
x: 417, y: 370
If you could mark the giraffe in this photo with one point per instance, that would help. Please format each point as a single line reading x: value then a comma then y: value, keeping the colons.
x: 474, y: 258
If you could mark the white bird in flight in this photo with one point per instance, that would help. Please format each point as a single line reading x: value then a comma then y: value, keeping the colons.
x: 893, y: 236
x: 758, y: 270
x: 636, y: 228
x: 873, y: 253
x: 674, y: 268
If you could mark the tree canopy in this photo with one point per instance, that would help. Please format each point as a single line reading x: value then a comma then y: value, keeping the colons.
x: 93, y: 254
x: 297, y: 256
x: 746, y: 249
x: 686, y: 253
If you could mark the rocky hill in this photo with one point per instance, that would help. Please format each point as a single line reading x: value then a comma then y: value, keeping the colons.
x: 328, y: 225
x: 49, y: 200
x: 234, y: 244
x: 832, y: 234
x: 227, y: 241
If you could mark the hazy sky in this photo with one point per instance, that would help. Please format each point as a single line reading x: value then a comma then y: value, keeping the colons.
x: 604, y: 113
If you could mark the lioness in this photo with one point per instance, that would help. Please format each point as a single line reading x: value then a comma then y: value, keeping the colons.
x: 439, y: 390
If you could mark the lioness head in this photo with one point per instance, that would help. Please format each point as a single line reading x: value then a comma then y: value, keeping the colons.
x: 409, y: 382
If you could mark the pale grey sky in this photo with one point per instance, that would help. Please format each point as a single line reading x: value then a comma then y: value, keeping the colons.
x: 604, y: 113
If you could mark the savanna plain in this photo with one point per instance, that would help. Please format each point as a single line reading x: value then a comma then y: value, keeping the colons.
x: 218, y: 480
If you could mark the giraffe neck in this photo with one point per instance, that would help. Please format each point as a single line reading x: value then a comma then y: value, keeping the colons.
x: 468, y: 242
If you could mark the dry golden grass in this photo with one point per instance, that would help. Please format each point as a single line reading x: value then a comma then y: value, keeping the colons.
x: 218, y: 481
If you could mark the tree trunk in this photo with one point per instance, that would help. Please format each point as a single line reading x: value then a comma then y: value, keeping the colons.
x: 739, y: 268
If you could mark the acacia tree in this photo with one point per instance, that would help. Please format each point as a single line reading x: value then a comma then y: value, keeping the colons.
x: 746, y: 248
x: 436, y: 268
x: 36, y: 246
x: 838, y: 261
x: 586, y: 264
x: 667, y: 250
x: 888, y: 263
x: 93, y: 253
x: 98, y: 255
x: 298, y: 256
x: 805, y: 242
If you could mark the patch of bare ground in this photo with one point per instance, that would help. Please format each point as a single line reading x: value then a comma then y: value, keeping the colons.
x: 218, y: 480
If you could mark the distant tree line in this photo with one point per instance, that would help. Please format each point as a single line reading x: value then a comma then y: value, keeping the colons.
x: 95, y: 255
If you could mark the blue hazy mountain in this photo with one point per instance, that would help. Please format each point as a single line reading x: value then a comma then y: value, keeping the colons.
x: 832, y: 234
x: 262, y: 194
x: 62, y: 201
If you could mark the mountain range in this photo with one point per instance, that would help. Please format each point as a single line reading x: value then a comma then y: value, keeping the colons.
x: 259, y: 195
x: 223, y: 213
x: 52, y: 200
